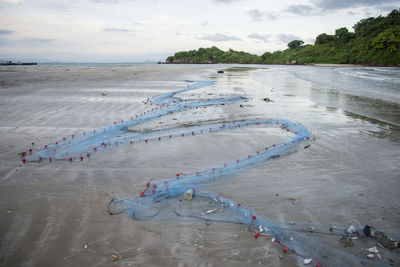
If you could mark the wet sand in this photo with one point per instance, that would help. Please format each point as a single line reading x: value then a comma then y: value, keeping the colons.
x: 55, y: 214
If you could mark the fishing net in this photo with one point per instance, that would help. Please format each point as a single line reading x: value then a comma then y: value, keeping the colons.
x: 185, y: 195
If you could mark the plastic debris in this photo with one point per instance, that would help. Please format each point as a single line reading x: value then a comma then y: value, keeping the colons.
x: 372, y: 250
x: 346, y: 242
x: 115, y: 257
x: 307, y: 261
x: 188, y: 195
x: 211, y: 211
x: 351, y: 229
x: 370, y: 256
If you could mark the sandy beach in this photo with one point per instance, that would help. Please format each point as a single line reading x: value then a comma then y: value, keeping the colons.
x: 55, y: 214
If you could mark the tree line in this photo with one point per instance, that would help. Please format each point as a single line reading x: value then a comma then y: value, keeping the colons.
x: 375, y: 40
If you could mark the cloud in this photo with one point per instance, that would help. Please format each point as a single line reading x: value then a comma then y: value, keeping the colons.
x: 286, y: 38
x: 38, y: 40
x: 220, y: 37
x: 107, y: 1
x: 26, y: 42
x: 302, y: 10
x: 16, y: 2
x: 226, y: 1
x: 257, y: 36
x: 117, y: 30
x: 4, y: 31
x: 258, y: 15
x: 342, y: 4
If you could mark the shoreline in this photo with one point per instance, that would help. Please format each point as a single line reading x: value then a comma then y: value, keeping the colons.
x: 289, y: 64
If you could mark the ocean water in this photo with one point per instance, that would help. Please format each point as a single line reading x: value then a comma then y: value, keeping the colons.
x: 372, y: 93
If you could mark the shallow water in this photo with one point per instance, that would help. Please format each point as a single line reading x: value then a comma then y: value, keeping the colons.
x: 50, y: 211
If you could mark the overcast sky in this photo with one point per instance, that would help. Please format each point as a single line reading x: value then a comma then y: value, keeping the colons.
x: 141, y: 30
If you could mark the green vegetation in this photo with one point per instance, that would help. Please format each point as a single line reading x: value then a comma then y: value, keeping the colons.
x: 374, y: 41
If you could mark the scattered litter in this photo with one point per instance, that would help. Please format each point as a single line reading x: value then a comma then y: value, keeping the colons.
x: 307, y: 261
x: 370, y: 256
x: 268, y: 99
x: 372, y: 250
x: 188, y: 195
x: 351, y: 229
x: 354, y: 238
x: 346, y: 242
x: 211, y: 211
x: 273, y: 239
x: 85, y: 246
x: 104, y: 93
x: 220, y: 71
x: 367, y: 230
x: 115, y: 257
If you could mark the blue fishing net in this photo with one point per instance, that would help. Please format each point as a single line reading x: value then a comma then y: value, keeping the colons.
x: 185, y: 195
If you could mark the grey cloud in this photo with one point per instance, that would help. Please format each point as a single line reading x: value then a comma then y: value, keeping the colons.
x: 36, y: 40
x: 107, y: 1
x: 26, y: 42
x: 257, y: 36
x: 258, y: 15
x: 286, y: 38
x: 4, y: 31
x: 219, y: 37
x: 341, y: 4
x: 226, y: 1
x: 303, y: 10
x: 117, y: 30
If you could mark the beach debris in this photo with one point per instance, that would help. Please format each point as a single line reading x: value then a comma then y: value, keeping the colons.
x: 220, y: 71
x: 351, y: 229
x: 346, y: 242
x: 273, y: 239
x: 281, y: 257
x: 387, y: 242
x: 367, y: 230
x: 307, y: 261
x: 211, y: 211
x: 372, y: 250
x: 188, y: 195
x: 267, y: 99
x: 370, y: 256
x: 115, y: 257
x: 85, y: 246
x: 104, y: 93
x: 383, y: 240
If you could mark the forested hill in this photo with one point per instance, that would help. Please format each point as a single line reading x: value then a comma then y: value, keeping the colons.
x: 375, y: 40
